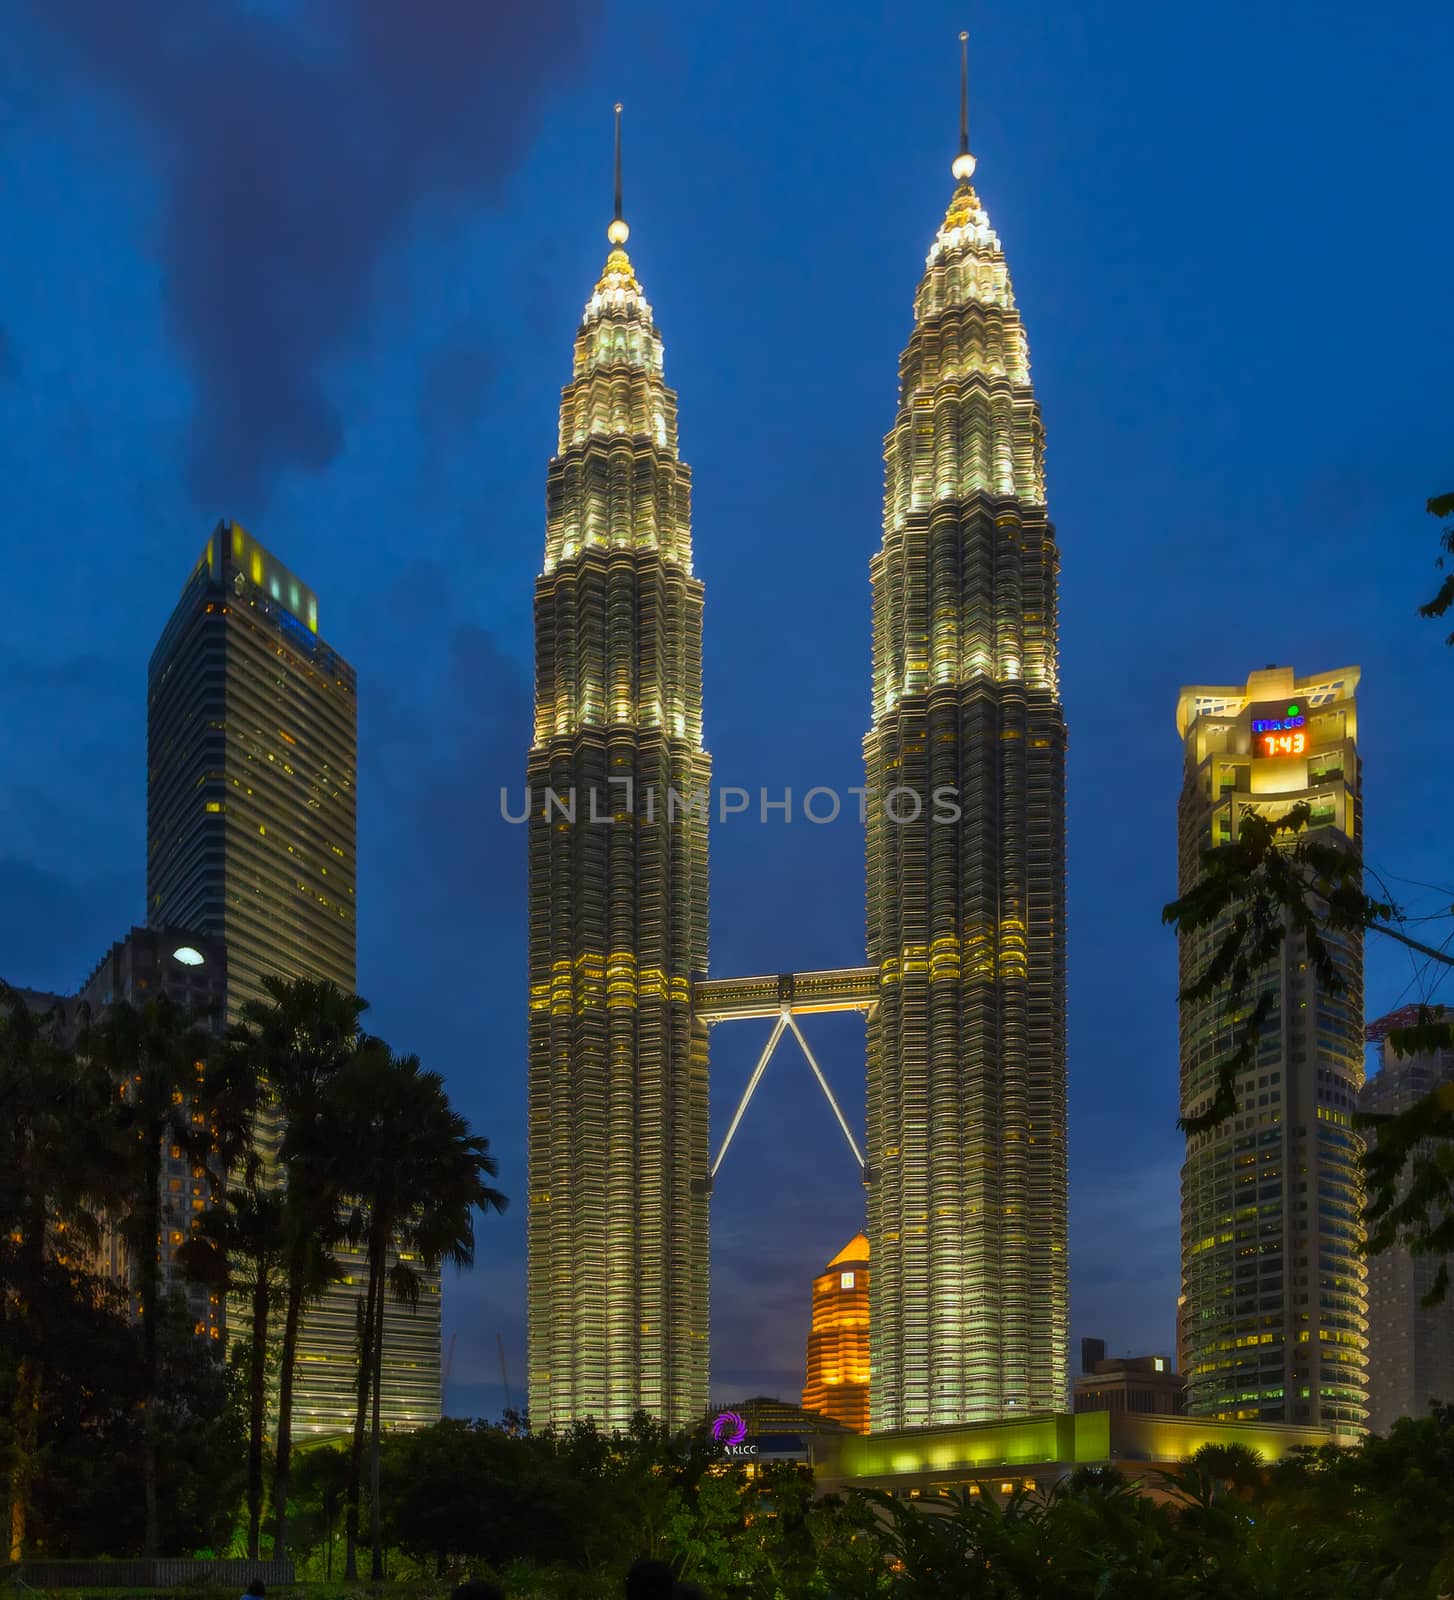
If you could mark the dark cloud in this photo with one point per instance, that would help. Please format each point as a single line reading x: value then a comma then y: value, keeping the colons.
x: 293, y: 149
x: 454, y: 380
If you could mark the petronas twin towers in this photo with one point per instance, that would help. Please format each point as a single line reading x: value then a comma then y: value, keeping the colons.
x: 966, y: 1160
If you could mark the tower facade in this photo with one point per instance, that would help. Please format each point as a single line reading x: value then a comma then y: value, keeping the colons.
x: 617, y: 776
x: 966, y: 867
x: 1410, y: 1344
x: 1274, y: 1319
x: 252, y: 752
x: 838, y: 1356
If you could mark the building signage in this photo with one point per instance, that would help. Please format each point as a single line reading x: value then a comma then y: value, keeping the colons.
x: 729, y: 1429
x: 1282, y: 735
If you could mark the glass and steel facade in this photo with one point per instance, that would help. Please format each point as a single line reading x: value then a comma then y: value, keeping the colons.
x: 617, y: 776
x: 1274, y: 1315
x: 252, y: 752
x: 966, y: 868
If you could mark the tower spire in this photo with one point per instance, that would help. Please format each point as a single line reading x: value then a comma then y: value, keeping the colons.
x: 618, y: 232
x: 964, y: 163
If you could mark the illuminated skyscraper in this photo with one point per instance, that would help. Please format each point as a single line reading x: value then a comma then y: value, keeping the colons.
x: 1274, y: 1320
x: 618, y: 894
x: 252, y: 748
x: 966, y: 912
x: 838, y: 1357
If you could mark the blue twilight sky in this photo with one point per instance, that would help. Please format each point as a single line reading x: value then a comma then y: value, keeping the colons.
x: 317, y: 265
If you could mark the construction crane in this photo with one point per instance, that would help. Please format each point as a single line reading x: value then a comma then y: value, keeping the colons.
x: 444, y: 1378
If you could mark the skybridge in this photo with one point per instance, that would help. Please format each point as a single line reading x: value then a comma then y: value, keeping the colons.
x: 786, y: 996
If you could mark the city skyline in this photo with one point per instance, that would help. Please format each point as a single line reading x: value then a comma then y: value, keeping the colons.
x: 96, y: 478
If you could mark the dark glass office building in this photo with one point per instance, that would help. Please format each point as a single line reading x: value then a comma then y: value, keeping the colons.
x: 252, y: 749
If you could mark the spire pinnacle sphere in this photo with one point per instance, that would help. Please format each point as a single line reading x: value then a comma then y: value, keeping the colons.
x: 618, y: 233
x: 964, y: 163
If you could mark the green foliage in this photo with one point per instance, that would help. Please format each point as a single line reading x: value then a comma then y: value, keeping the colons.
x: 317, y: 1483
x: 120, y: 1431
x: 92, y: 1439
x: 1443, y: 506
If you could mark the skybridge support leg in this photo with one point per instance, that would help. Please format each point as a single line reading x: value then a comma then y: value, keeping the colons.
x: 823, y: 1085
x: 772, y: 1043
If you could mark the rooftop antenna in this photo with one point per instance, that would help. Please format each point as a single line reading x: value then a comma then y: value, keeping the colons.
x: 964, y: 163
x: 618, y: 233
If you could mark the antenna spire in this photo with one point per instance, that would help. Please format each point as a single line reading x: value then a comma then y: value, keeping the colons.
x: 964, y: 163
x: 618, y: 232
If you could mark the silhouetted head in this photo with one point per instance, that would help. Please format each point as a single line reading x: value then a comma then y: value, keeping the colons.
x: 257, y: 1589
x: 649, y: 1580
x: 477, y: 1589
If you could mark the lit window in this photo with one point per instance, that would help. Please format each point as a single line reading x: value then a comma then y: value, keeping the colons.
x: 845, y: 1280
x: 1160, y: 1364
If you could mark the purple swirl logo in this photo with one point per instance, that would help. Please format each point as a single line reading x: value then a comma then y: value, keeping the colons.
x: 728, y: 1428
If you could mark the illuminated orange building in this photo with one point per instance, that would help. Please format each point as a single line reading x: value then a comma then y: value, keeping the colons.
x: 837, y: 1382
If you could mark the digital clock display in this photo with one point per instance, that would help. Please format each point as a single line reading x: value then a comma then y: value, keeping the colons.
x: 1282, y: 734
x: 1282, y: 744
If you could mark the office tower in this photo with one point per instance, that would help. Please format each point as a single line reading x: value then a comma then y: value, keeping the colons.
x: 252, y: 745
x: 837, y: 1377
x: 252, y: 749
x: 1275, y: 1315
x: 617, y: 1252
x: 1410, y: 1345
x: 1127, y: 1385
x: 966, y: 866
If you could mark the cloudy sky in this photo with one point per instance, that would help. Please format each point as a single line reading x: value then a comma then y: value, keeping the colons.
x: 317, y: 265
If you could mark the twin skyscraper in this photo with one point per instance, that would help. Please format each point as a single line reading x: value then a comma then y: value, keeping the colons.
x: 965, y: 983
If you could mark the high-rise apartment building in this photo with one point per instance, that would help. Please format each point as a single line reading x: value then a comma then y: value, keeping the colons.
x: 1275, y: 1315
x: 252, y: 752
x: 838, y: 1356
x: 1410, y: 1345
x: 617, y: 895
x: 966, y: 867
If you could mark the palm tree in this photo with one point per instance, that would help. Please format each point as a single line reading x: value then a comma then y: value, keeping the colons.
x: 155, y: 1055
x: 55, y: 1163
x: 297, y: 1043
x: 417, y: 1176
x: 239, y: 1249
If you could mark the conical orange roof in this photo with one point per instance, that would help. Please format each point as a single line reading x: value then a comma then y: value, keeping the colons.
x: 855, y: 1250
